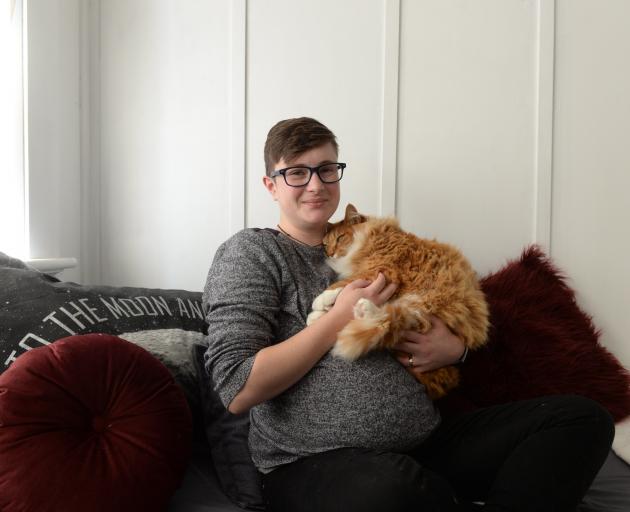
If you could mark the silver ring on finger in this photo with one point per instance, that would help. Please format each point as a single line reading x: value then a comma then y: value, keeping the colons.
x: 410, y: 361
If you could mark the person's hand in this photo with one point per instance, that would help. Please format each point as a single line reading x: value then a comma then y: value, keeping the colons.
x: 434, y: 349
x: 378, y: 291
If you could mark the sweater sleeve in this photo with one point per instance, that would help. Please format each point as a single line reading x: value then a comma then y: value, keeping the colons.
x: 241, y: 300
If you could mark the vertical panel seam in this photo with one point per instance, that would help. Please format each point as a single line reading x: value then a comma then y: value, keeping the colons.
x: 90, y: 258
x: 26, y: 227
x: 389, y: 135
x: 543, y: 173
x: 237, y: 115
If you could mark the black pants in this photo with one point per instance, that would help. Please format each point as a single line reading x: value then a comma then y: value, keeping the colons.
x: 536, y: 455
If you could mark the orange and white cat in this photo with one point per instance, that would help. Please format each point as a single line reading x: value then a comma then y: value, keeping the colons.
x: 433, y: 279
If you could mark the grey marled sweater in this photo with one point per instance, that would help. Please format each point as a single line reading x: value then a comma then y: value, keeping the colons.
x: 259, y: 291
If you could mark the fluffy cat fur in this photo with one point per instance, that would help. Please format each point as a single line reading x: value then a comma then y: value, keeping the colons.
x: 432, y: 277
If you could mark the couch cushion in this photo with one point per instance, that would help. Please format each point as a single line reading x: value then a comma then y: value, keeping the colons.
x: 541, y: 343
x: 91, y: 422
x: 227, y: 434
x: 37, y: 309
x: 200, y: 490
x: 610, y: 492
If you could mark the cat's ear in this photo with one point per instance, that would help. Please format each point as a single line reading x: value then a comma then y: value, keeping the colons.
x: 350, y: 211
x: 353, y: 216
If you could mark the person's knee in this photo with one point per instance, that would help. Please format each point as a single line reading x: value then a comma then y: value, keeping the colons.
x: 396, y: 496
x: 603, y: 420
x: 591, y: 414
x: 413, y: 488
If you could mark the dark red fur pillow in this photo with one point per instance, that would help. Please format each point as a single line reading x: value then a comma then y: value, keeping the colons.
x: 541, y: 343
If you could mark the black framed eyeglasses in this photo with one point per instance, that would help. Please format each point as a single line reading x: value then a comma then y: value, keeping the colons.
x: 300, y: 176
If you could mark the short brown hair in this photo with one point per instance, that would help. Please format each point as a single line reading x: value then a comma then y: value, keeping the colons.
x: 290, y: 138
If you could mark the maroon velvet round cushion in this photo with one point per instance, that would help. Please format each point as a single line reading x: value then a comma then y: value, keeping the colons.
x: 90, y: 422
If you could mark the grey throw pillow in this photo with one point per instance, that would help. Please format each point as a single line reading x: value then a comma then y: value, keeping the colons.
x: 37, y: 309
x: 227, y: 435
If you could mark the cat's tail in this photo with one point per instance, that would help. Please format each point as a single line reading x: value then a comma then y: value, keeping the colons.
x: 378, y: 327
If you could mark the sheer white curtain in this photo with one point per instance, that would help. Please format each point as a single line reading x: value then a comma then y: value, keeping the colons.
x: 13, y: 165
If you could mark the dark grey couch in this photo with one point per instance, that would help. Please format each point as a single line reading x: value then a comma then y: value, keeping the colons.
x: 200, y: 491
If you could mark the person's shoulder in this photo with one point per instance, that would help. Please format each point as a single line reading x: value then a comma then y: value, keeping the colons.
x: 248, y: 250
x: 250, y: 241
x: 244, y: 256
x: 253, y: 236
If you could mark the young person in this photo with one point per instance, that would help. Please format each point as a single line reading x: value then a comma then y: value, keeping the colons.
x: 331, y: 435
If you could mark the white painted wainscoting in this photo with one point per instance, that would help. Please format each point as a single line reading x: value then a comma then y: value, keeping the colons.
x: 490, y: 124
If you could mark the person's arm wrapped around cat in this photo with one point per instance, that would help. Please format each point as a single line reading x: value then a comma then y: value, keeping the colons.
x: 242, y: 299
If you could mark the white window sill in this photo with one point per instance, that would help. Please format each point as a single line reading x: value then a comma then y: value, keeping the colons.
x: 52, y: 266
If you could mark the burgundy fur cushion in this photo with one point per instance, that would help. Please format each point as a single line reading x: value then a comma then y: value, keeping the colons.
x: 541, y: 343
x: 91, y: 422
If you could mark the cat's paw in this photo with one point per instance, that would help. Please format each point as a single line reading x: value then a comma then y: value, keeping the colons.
x: 364, y: 333
x: 314, y: 315
x: 325, y: 300
x: 417, y: 320
x: 365, y: 308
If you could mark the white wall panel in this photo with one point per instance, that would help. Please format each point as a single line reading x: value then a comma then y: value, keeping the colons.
x: 164, y: 130
x: 54, y: 130
x: 591, y: 210
x: 320, y: 59
x: 467, y: 133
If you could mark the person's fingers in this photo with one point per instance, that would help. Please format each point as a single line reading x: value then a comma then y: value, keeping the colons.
x: 406, y: 346
x: 388, y: 291
x: 436, y: 321
x: 378, y: 284
x: 406, y: 360
x: 411, y: 360
x: 359, y: 283
x: 411, y: 336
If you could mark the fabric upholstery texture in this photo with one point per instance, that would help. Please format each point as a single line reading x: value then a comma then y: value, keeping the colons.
x: 541, y: 343
x: 621, y: 444
x: 227, y: 435
x: 37, y: 309
x: 610, y: 492
x: 91, y: 422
